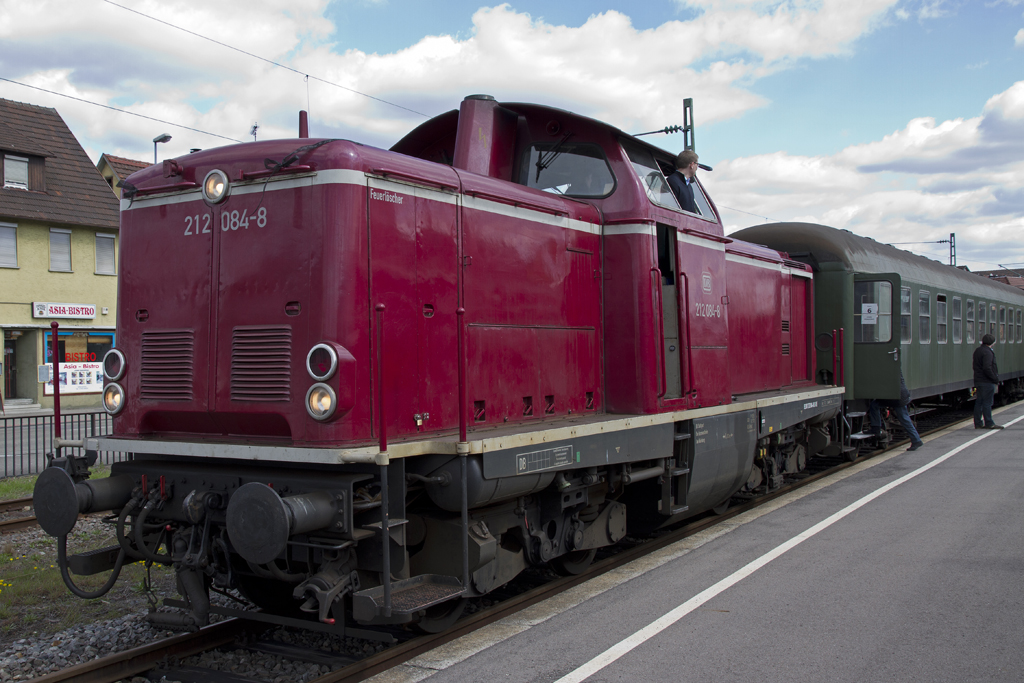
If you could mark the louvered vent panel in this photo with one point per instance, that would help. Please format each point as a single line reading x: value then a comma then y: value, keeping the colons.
x: 261, y: 363
x: 167, y: 365
x: 785, y: 349
x: 785, y: 326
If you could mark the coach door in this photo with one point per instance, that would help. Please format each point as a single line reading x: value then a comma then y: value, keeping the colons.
x: 876, y: 345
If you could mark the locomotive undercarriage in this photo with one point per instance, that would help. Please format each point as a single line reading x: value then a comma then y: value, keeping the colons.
x: 304, y: 541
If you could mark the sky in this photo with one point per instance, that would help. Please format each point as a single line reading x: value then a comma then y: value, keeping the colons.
x: 900, y: 120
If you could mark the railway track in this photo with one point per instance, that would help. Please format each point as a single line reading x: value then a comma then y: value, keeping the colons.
x: 16, y: 523
x: 163, y: 654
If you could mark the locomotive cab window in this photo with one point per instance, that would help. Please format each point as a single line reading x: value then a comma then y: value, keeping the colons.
x: 957, y: 320
x: 924, y: 316
x: 970, y: 321
x: 651, y: 176
x: 906, y: 320
x: 872, y: 311
x: 576, y: 169
x: 940, y: 318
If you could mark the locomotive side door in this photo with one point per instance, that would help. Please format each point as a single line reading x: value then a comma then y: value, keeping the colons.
x: 876, y: 344
x: 704, y: 317
x: 413, y: 257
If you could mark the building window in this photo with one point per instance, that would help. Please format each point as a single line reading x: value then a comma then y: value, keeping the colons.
x: 8, y: 245
x: 924, y: 316
x: 15, y: 172
x: 970, y: 321
x: 60, y: 250
x: 940, y: 318
x: 105, y: 254
x: 906, y: 324
x: 981, y: 320
x: 957, y: 320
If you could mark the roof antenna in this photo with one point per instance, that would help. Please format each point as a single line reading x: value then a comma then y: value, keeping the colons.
x: 252, y: 131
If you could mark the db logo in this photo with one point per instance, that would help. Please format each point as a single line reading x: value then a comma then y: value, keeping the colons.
x: 706, y: 282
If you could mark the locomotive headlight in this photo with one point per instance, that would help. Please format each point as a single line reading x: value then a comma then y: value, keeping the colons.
x: 321, y: 402
x: 321, y: 362
x: 113, y: 398
x: 113, y: 365
x: 215, y: 186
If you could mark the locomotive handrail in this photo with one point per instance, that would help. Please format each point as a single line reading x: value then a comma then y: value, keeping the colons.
x: 508, y: 201
x: 184, y: 185
x: 416, y: 180
x: 249, y: 175
x: 660, y: 316
x: 706, y: 235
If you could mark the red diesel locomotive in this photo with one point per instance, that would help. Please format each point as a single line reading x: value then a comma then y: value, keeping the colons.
x: 360, y: 386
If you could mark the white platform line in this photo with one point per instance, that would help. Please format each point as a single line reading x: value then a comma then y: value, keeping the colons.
x: 654, y: 628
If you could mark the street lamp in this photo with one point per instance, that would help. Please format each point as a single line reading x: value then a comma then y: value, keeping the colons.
x: 159, y: 138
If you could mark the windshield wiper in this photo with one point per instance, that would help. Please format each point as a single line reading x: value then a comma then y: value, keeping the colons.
x: 545, y: 159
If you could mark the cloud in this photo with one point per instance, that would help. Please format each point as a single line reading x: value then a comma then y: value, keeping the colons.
x: 921, y: 182
x: 1018, y: 40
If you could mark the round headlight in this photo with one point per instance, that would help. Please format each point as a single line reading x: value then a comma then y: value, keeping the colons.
x: 113, y: 365
x: 215, y: 186
x: 321, y: 362
x: 321, y: 402
x: 113, y: 398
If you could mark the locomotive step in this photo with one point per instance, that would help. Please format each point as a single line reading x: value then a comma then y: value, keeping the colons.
x: 861, y: 435
x: 94, y: 561
x: 407, y: 596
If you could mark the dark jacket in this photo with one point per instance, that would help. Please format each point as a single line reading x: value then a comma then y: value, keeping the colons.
x: 683, y: 192
x: 985, y: 369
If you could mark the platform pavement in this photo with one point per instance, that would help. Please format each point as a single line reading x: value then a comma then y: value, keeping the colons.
x: 922, y: 582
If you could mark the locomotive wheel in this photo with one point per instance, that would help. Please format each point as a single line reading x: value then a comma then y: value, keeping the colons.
x: 573, y: 563
x: 273, y: 596
x: 441, y: 617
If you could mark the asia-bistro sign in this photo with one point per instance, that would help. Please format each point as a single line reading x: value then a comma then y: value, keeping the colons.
x: 45, y: 309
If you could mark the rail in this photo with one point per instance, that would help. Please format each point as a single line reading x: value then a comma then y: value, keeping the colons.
x: 26, y: 440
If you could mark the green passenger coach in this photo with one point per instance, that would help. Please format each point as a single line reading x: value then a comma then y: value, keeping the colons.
x: 899, y: 311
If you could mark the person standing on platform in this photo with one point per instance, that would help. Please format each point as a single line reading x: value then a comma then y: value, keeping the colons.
x: 986, y: 377
x: 902, y: 414
x: 683, y: 179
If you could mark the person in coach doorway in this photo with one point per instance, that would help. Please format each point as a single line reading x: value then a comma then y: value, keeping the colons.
x: 986, y: 377
x: 682, y: 180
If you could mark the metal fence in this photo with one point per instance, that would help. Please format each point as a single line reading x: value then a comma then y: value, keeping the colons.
x: 27, y: 440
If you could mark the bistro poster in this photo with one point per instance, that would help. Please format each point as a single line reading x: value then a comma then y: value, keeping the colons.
x: 78, y: 378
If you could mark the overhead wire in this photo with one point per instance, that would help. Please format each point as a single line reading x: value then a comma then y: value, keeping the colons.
x: 264, y: 59
x: 117, y: 109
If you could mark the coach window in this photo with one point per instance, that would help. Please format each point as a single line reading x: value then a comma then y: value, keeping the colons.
x: 957, y: 320
x: 872, y: 313
x: 906, y: 321
x: 1018, y: 325
x: 981, y: 320
x: 924, y: 316
x: 1009, y: 330
x: 940, y: 318
x: 576, y: 169
x: 992, y: 319
x: 1002, y: 324
x: 970, y: 321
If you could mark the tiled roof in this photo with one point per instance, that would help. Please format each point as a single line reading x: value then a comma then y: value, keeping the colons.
x: 75, y: 191
x: 124, y: 167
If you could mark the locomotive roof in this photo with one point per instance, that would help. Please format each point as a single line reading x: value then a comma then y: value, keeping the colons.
x: 818, y: 245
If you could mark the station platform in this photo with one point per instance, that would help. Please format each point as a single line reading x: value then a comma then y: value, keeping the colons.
x: 907, y: 567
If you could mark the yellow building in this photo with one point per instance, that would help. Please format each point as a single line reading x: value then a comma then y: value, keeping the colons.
x: 58, y: 257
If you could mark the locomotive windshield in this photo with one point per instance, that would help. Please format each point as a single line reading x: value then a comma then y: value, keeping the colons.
x: 571, y: 168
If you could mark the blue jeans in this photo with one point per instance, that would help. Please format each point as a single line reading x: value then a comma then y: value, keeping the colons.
x: 983, y: 404
x: 902, y: 414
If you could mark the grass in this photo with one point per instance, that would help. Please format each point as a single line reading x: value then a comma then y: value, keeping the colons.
x: 21, y: 487
x: 34, y: 599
